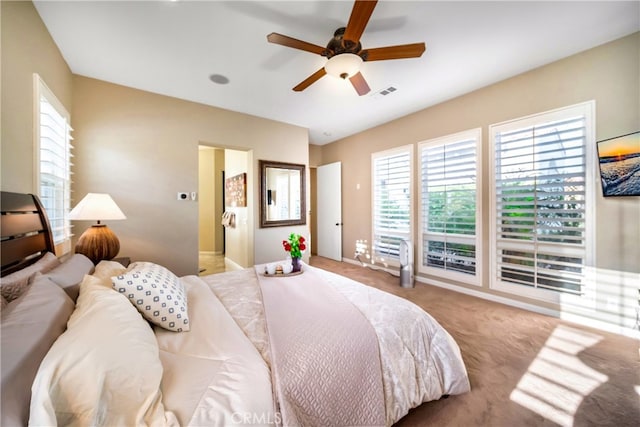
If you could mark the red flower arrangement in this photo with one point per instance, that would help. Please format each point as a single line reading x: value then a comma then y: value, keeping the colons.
x: 295, y: 245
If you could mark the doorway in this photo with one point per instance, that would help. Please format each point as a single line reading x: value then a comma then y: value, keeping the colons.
x: 211, y: 233
x: 329, y: 210
x: 313, y: 209
x: 223, y: 249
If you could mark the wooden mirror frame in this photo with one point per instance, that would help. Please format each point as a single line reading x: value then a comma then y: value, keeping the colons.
x: 264, y: 221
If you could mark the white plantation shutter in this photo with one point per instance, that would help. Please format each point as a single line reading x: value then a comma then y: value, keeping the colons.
x: 542, y: 201
x: 392, y: 171
x: 53, y: 145
x: 450, y: 211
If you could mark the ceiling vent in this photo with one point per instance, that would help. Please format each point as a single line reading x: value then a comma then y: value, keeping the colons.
x: 384, y: 92
x: 387, y: 91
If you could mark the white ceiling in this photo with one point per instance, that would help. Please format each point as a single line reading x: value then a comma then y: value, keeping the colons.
x: 173, y: 47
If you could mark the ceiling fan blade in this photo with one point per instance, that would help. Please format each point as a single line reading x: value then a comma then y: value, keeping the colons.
x: 294, y: 43
x: 360, y: 14
x: 413, y: 50
x: 310, y: 80
x: 359, y: 84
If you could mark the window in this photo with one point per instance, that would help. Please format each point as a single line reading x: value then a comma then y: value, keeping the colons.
x: 542, y: 190
x: 53, y: 162
x: 392, y: 188
x: 450, y: 206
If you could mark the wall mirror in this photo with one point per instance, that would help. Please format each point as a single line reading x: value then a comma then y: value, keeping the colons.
x: 282, y: 194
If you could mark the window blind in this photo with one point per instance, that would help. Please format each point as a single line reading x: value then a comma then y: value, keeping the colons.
x: 541, y: 198
x: 448, y: 197
x: 391, y: 202
x: 54, y: 147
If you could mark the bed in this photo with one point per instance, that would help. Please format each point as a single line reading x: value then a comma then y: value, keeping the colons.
x: 136, y: 345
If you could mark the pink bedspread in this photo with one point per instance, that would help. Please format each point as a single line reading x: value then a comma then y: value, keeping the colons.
x: 324, y: 354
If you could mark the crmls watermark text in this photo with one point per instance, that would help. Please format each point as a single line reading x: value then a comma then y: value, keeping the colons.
x: 249, y: 418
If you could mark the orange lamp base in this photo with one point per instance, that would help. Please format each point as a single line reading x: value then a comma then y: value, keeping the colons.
x: 98, y: 243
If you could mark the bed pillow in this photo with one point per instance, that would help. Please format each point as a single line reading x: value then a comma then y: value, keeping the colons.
x: 70, y: 273
x: 14, y: 284
x: 104, y: 370
x: 30, y: 325
x: 108, y: 269
x: 157, y: 293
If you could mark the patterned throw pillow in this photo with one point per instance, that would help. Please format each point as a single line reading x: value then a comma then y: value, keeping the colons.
x: 157, y: 293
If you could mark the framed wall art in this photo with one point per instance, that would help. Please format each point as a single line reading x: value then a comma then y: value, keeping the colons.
x: 235, y: 191
x: 619, y: 160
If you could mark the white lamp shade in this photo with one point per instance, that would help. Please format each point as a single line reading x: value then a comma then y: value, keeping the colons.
x: 343, y: 65
x: 96, y: 207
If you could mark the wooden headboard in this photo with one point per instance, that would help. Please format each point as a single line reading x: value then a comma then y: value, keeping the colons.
x: 26, y: 233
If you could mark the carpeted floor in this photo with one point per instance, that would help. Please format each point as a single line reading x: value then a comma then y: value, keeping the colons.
x: 525, y: 369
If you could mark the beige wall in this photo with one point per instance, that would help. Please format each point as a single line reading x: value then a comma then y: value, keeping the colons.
x: 609, y: 74
x: 315, y: 159
x: 143, y: 149
x: 140, y: 147
x: 315, y: 155
x: 27, y: 48
x: 237, y: 238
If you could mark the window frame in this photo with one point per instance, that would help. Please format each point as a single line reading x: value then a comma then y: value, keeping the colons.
x: 375, y: 257
x: 586, y: 298
x: 475, y: 278
x: 41, y: 90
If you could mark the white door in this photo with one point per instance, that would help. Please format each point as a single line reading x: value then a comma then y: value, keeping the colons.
x: 329, y: 211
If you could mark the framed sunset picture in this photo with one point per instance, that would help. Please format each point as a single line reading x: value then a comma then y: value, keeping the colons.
x: 619, y: 160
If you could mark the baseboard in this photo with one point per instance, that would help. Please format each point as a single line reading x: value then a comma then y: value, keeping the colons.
x: 569, y: 317
x: 574, y: 318
x: 393, y: 272
x: 231, y: 265
x: 489, y: 297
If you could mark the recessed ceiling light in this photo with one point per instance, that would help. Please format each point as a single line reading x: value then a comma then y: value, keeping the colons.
x: 219, y: 79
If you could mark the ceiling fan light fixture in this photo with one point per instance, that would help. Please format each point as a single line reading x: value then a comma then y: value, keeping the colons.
x: 343, y: 65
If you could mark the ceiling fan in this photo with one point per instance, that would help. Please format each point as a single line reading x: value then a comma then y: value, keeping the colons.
x: 344, y: 51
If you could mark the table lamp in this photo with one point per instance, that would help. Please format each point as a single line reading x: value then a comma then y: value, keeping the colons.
x: 98, y: 242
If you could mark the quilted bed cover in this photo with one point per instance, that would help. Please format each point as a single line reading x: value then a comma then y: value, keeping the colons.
x: 325, y: 358
x: 420, y: 361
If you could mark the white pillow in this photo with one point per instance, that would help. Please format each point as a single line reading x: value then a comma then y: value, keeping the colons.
x: 108, y: 269
x: 104, y: 370
x: 157, y: 293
